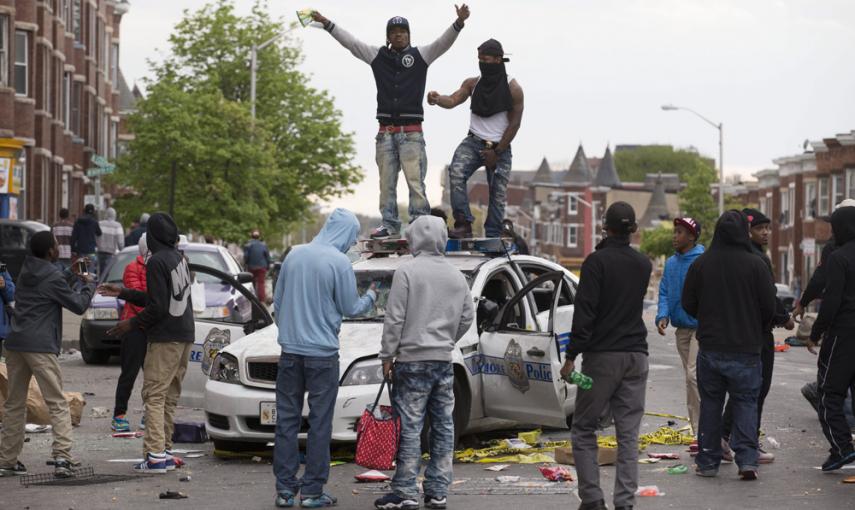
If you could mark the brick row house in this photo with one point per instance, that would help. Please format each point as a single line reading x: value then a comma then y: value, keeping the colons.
x: 60, y: 101
x: 797, y: 195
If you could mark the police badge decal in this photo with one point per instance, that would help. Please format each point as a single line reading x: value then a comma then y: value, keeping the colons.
x: 216, y: 341
x: 515, y: 367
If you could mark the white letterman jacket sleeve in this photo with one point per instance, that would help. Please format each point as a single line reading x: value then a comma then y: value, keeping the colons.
x: 434, y: 50
x: 364, y: 52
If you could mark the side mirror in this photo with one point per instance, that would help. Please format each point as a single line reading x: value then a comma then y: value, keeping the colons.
x: 244, y: 277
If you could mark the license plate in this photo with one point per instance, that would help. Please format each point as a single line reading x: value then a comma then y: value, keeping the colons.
x: 267, y: 413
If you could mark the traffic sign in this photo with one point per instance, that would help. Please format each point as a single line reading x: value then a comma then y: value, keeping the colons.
x: 99, y: 171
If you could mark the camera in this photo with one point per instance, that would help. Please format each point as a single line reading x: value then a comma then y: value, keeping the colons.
x: 81, y: 267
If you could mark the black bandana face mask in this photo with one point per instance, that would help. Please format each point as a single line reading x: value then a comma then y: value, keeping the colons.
x: 491, y: 69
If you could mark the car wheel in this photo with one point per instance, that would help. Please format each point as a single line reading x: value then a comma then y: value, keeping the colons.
x: 462, y: 405
x: 92, y: 356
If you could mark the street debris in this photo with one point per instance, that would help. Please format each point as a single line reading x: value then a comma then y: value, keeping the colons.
x: 185, y: 478
x: 849, y: 479
x: 782, y: 347
x: 678, y: 469
x: 517, y: 444
x: 173, y: 495
x: 371, y: 476
x: 648, y: 461
x: 507, y: 479
x: 556, y: 474
x: 498, y: 467
x: 667, y: 456
x: 256, y: 459
x: 773, y: 442
x: 100, y: 412
x: 129, y: 435
x: 32, y: 428
x: 531, y: 438
x: 649, y: 490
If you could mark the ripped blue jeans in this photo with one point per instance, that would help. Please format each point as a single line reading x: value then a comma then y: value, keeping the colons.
x: 398, y: 152
x: 422, y: 388
x: 467, y: 159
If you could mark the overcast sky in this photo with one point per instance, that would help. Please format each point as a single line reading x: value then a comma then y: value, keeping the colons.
x: 593, y: 71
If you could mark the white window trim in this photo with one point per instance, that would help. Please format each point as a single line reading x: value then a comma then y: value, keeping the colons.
x: 836, y: 180
x: 572, y: 204
x: 810, y: 195
x: 4, y: 49
x: 574, y: 227
x: 823, y: 199
x: 849, y: 180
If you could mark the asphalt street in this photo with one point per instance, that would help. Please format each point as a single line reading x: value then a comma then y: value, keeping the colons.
x: 790, y: 482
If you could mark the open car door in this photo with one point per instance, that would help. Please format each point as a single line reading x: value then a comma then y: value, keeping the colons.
x: 520, y: 364
x: 246, y: 314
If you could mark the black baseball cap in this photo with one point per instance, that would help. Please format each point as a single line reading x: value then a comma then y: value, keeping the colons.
x: 620, y: 217
x: 493, y: 48
x: 397, y: 21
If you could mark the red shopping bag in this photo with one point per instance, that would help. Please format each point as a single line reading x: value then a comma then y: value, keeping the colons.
x: 377, y: 436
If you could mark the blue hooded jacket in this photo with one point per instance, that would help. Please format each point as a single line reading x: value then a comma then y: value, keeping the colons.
x: 7, y: 295
x: 317, y: 287
x: 671, y: 289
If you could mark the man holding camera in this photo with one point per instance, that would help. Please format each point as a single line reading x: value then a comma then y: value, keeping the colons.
x: 32, y: 350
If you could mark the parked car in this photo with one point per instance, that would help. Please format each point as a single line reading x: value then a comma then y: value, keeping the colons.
x: 506, y: 367
x: 786, y: 295
x: 221, y: 302
x: 15, y: 242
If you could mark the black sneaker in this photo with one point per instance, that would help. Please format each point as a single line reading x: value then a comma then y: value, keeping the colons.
x: 382, y: 232
x: 435, y: 502
x: 63, y: 468
x: 17, y: 470
x: 594, y: 505
x: 835, y: 461
x: 748, y: 474
x: 395, y: 502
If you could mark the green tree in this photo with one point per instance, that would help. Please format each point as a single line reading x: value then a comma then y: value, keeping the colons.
x: 656, y: 242
x: 634, y: 164
x: 697, y: 201
x: 234, y: 174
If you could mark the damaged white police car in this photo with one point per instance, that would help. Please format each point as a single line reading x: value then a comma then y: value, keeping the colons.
x: 506, y: 367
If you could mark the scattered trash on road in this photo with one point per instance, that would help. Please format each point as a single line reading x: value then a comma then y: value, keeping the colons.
x: 648, y: 461
x: 185, y: 478
x: 782, y: 347
x: 498, y: 467
x: 678, y: 469
x: 129, y: 435
x: 517, y: 444
x: 773, y: 442
x: 507, y: 479
x: 100, y: 412
x: 531, y: 438
x: 32, y: 428
x: 173, y: 495
x: 649, y: 490
x: 667, y: 456
x: 256, y: 459
x: 849, y: 479
x: 372, y: 476
x: 556, y: 474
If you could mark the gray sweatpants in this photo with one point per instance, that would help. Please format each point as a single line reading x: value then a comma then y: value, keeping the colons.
x: 620, y: 380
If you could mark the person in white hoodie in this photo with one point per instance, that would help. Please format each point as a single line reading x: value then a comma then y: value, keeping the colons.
x: 428, y: 310
x: 111, y: 241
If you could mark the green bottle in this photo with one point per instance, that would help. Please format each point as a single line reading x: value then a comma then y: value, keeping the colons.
x: 579, y: 379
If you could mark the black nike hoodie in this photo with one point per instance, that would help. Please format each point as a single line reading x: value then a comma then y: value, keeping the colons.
x: 837, y: 313
x: 168, y: 312
x: 730, y: 291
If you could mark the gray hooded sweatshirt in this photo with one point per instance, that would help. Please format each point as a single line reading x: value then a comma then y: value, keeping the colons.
x: 429, y: 306
x: 112, y: 238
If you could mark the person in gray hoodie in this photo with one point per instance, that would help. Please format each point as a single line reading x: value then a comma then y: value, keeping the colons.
x: 428, y: 310
x: 32, y: 347
x: 111, y: 241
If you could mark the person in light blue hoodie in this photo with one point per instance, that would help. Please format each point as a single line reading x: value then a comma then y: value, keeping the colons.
x: 7, y: 295
x: 670, y: 311
x: 315, y: 289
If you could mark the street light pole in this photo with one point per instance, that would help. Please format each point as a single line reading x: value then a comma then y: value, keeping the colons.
x: 253, y: 67
x: 720, y: 127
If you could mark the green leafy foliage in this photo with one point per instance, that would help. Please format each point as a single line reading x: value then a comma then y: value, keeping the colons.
x: 697, y: 201
x: 232, y: 174
x: 634, y: 164
x: 656, y: 242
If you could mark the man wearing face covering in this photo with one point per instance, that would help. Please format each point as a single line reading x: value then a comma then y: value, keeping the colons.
x: 167, y: 322
x: 315, y: 289
x: 835, y: 330
x: 730, y: 291
x: 497, y: 108
x: 134, y: 344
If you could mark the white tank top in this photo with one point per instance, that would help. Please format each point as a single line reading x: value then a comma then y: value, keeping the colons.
x: 489, y: 128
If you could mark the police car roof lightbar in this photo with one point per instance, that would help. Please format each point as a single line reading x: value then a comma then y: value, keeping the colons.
x: 491, y: 246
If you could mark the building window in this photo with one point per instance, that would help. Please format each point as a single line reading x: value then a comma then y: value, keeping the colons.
x: 572, y: 204
x: 785, y: 208
x: 572, y: 236
x: 114, y: 66
x: 850, y: 183
x: 791, y: 216
x: 66, y: 99
x: 822, y: 201
x: 103, y: 48
x: 47, y: 97
x: 22, y: 62
x: 92, y: 45
x: 76, y: 13
x: 104, y: 146
x: 4, y: 50
x: 553, y: 233
x: 837, y: 192
x: 114, y: 140
x: 74, y: 110
x: 810, y: 200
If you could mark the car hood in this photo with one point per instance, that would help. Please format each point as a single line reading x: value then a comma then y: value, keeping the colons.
x: 216, y: 294
x: 357, y: 340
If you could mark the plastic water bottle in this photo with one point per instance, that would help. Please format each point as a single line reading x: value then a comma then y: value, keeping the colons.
x: 579, y: 379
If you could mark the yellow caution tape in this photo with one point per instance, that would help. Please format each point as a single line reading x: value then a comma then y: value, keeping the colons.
x: 531, y: 437
x: 664, y: 415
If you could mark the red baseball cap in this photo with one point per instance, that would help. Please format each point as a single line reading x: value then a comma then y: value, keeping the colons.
x: 693, y: 225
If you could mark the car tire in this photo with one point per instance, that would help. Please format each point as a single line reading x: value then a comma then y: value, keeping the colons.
x: 462, y: 405
x: 92, y: 356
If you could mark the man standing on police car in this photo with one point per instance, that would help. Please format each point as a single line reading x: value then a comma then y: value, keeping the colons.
x: 609, y: 331
x: 400, y: 72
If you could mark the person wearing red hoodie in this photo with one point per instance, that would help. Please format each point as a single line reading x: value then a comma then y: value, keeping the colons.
x: 134, y: 343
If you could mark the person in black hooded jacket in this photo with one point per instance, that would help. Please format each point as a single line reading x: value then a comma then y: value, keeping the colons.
x: 731, y: 292
x: 167, y: 321
x: 835, y: 329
